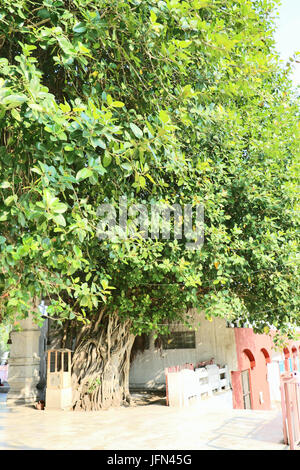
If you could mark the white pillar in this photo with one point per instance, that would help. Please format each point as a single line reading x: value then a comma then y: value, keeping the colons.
x: 24, y: 364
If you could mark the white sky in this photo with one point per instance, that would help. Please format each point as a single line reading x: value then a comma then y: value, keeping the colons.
x: 287, y: 35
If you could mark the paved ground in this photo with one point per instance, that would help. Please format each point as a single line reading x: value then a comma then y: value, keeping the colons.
x: 212, y: 424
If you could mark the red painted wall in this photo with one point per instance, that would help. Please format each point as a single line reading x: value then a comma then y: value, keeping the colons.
x: 237, y: 389
x: 250, y: 356
x: 247, y: 340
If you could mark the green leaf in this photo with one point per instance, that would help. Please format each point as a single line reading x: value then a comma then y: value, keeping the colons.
x: 142, y: 181
x: 16, y: 115
x: 107, y: 159
x: 10, y: 200
x: 79, y: 28
x: 200, y: 3
x: 109, y: 100
x: 36, y: 107
x: 117, y: 104
x: 43, y: 13
x: 59, y: 208
x: 104, y: 284
x: 163, y: 116
x: 84, y: 173
x: 77, y: 251
x: 153, y: 17
x: 60, y: 220
x: 96, y: 142
x: 136, y: 130
x: 68, y: 148
x: 12, y: 101
x: 126, y: 166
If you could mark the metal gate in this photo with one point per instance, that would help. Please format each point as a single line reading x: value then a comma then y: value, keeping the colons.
x: 290, y: 401
x: 246, y: 389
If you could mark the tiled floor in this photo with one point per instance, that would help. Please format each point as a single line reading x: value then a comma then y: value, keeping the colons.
x: 212, y: 424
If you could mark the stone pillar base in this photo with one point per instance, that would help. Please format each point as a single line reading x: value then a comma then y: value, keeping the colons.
x: 15, y: 399
x: 23, y: 365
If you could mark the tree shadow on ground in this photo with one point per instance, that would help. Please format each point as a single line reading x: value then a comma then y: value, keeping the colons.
x: 144, y: 398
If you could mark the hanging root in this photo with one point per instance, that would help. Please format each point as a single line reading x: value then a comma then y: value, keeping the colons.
x: 100, y: 364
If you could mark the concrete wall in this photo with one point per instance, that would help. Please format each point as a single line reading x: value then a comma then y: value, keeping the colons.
x: 213, y: 339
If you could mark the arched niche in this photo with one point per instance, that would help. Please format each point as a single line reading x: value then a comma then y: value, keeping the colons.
x: 251, y: 358
x: 266, y: 355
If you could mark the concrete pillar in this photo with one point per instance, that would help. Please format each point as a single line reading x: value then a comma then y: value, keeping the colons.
x: 24, y: 364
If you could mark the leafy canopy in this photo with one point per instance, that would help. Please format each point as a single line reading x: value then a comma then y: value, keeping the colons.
x: 172, y: 101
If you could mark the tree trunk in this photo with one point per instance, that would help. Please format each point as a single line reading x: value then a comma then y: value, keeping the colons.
x: 100, y: 364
